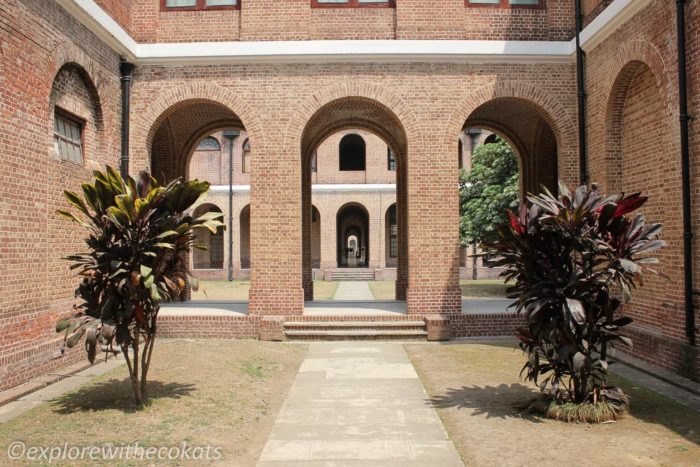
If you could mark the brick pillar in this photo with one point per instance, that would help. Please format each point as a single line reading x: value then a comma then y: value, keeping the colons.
x: 329, y: 258
x: 433, y: 224
x: 375, y: 231
x: 275, y: 226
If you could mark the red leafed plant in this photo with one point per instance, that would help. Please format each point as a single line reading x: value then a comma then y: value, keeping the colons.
x: 573, y: 260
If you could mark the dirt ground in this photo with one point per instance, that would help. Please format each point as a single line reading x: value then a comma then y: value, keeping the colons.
x: 475, y: 387
x: 223, y: 393
x: 483, y: 288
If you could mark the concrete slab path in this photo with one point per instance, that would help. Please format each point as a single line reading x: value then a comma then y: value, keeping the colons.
x: 353, y: 290
x: 358, y: 403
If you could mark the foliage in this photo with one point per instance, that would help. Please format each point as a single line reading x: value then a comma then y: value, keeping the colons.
x: 574, y: 260
x: 138, y: 237
x: 487, y: 191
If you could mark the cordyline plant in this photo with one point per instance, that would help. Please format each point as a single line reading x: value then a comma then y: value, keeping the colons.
x: 573, y: 260
x: 138, y: 237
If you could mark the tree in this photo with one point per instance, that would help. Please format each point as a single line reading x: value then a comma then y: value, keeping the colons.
x: 138, y: 238
x: 487, y: 191
x: 574, y: 260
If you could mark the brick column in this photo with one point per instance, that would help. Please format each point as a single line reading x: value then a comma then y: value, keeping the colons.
x: 329, y: 257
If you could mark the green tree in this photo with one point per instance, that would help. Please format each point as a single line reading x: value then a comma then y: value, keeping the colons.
x: 487, y: 191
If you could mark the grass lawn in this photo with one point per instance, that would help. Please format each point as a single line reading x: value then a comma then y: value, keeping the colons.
x: 475, y: 387
x: 483, y: 288
x: 204, y: 392
x: 238, y: 290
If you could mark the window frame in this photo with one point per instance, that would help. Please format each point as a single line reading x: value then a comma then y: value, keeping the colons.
x: 201, y: 5
x: 81, y: 122
x: 390, y: 160
x: 245, y: 154
x: 353, y: 4
x: 505, y: 5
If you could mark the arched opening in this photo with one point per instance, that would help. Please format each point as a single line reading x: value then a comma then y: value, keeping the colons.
x: 391, y: 237
x: 315, y: 238
x: 639, y: 127
x: 180, y: 129
x: 213, y: 256
x: 204, y: 139
x: 348, y: 119
x: 508, y: 149
x: 352, y: 230
x: 352, y: 153
x: 245, y: 237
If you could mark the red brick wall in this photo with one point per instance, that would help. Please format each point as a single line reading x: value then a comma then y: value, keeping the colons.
x: 37, y: 39
x: 297, y: 20
x: 634, y: 145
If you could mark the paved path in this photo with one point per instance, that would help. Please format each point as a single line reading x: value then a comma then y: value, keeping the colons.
x: 358, y: 403
x: 353, y: 290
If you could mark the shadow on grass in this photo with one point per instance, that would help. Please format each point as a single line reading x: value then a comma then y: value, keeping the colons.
x: 116, y: 394
x: 502, y: 401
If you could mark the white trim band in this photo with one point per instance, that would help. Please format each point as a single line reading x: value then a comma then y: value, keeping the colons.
x: 321, y: 188
x: 351, y: 51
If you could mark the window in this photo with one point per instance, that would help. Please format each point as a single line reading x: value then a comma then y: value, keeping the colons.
x: 190, y: 5
x: 393, y: 233
x: 353, y: 3
x: 506, y: 3
x: 390, y: 160
x: 209, y: 144
x: 314, y: 163
x: 68, y: 136
x: 352, y: 152
x: 246, y: 156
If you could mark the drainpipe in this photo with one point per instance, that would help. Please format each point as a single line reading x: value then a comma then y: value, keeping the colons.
x: 125, y: 71
x: 474, y: 134
x: 230, y: 135
x: 685, y: 168
x: 581, y: 84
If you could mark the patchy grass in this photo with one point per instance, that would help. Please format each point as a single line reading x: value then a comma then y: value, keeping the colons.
x: 238, y: 290
x: 476, y: 390
x: 324, y: 290
x: 223, y: 393
x: 483, y: 288
x: 383, y: 290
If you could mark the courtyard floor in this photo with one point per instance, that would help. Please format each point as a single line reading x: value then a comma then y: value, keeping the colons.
x: 358, y: 403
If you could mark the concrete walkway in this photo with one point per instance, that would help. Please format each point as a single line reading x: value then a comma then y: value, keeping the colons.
x: 358, y: 403
x: 353, y: 290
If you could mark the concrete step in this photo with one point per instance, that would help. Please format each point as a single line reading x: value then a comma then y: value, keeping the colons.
x: 352, y: 275
x: 355, y: 330
x: 315, y: 325
x: 356, y: 334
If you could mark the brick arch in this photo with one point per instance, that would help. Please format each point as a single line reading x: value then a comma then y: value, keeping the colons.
x: 634, y: 58
x: 352, y: 89
x: 161, y: 108
x: 96, y: 77
x: 562, y: 124
x: 367, y: 97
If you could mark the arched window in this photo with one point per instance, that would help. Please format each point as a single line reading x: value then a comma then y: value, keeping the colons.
x: 490, y: 139
x: 246, y: 156
x: 352, y: 152
x: 390, y: 160
x: 393, y: 232
x: 209, y: 144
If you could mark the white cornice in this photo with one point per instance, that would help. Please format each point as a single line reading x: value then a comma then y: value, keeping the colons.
x: 380, y: 51
x: 321, y: 188
x: 606, y: 23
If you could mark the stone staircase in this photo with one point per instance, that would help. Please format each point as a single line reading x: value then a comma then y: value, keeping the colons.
x: 352, y: 274
x: 356, y: 330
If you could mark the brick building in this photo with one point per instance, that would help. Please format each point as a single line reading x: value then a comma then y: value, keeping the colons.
x: 289, y: 75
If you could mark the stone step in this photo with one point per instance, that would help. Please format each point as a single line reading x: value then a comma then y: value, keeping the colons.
x: 356, y: 334
x: 355, y: 325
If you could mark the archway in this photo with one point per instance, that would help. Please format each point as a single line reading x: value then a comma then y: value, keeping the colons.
x: 352, y: 245
x: 245, y: 237
x: 355, y: 113
x: 639, y: 127
x: 213, y: 256
x: 179, y: 129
